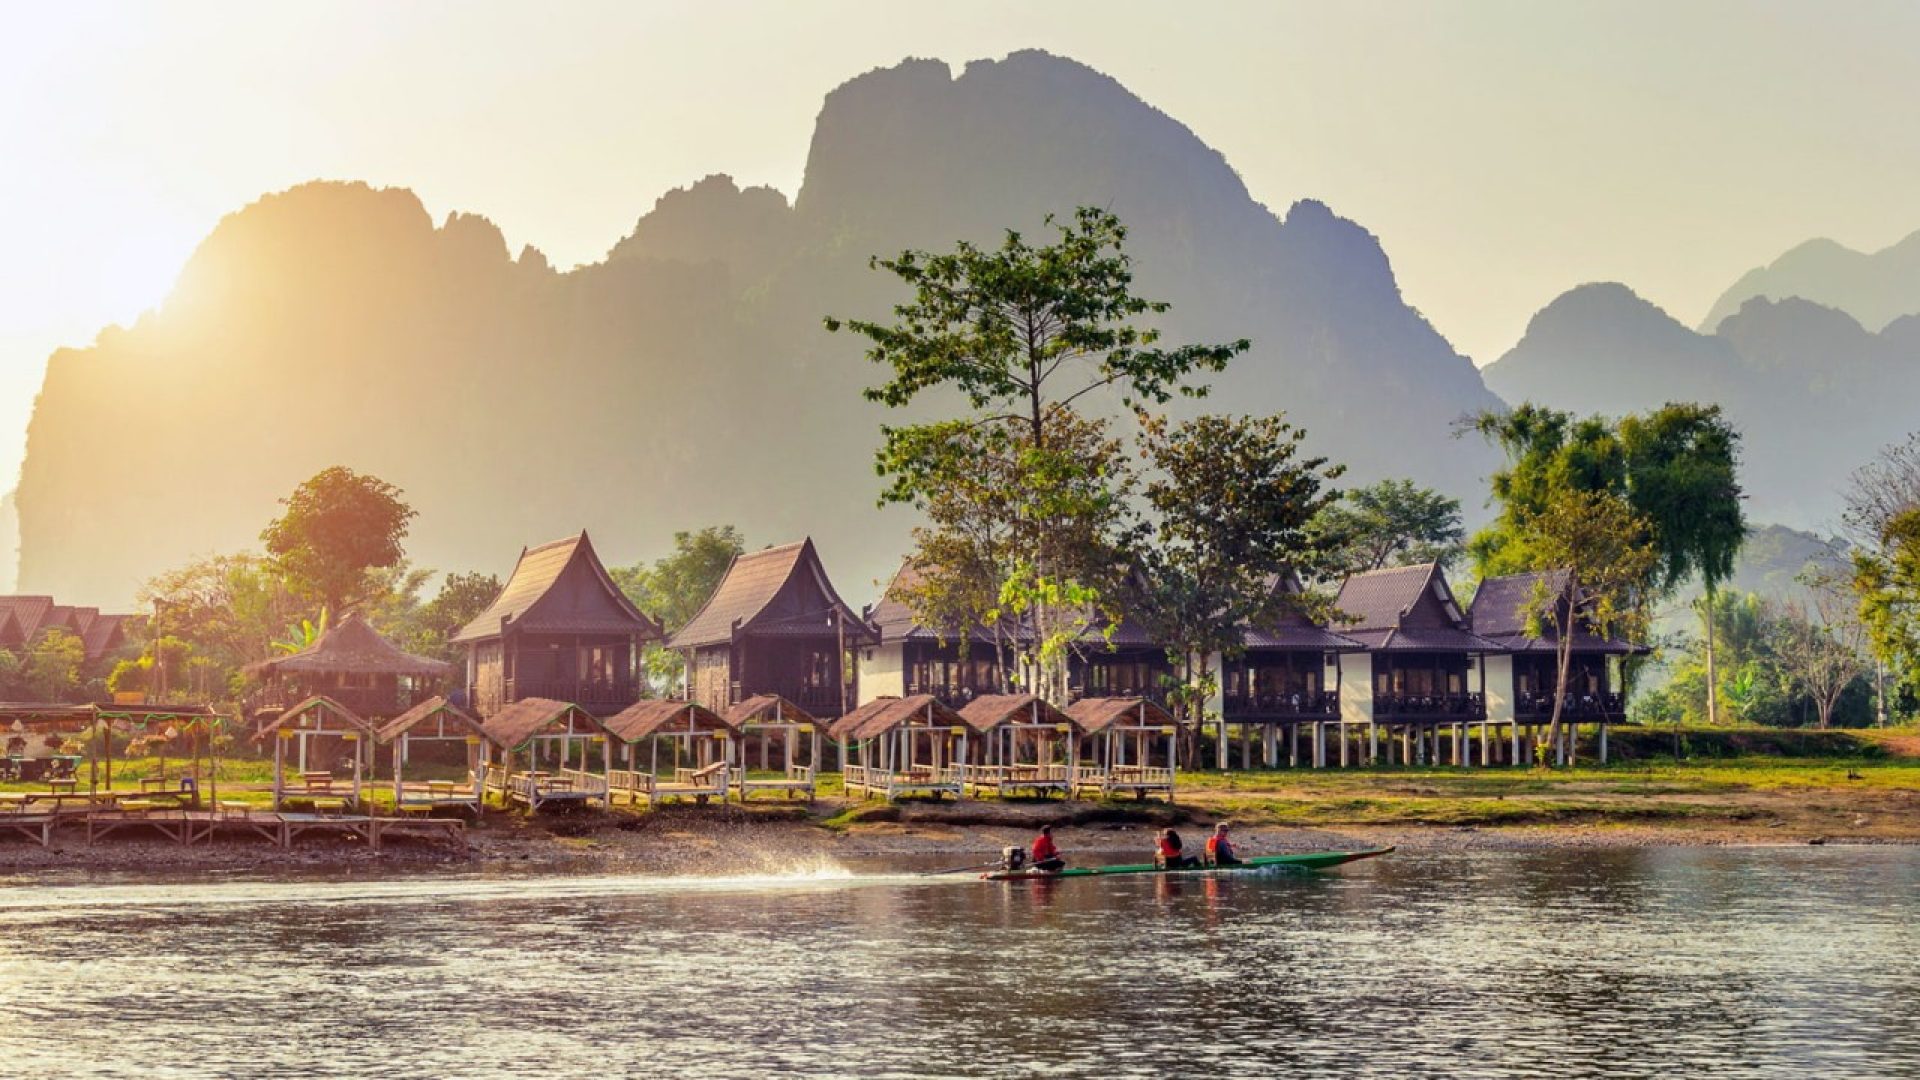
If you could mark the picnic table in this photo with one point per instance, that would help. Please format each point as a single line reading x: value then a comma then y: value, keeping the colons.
x: 317, y: 783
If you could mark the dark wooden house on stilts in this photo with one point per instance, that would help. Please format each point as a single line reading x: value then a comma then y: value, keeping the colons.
x: 560, y: 630
x: 774, y: 625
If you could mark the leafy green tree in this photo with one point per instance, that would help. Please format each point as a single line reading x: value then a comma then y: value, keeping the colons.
x: 50, y: 668
x: 462, y: 597
x: 11, y: 686
x: 1883, y: 520
x: 1392, y: 523
x: 1020, y: 334
x: 338, y: 526
x: 1548, y: 452
x: 1231, y: 506
x: 230, y: 608
x: 1683, y: 477
x: 673, y: 589
x: 1606, y: 550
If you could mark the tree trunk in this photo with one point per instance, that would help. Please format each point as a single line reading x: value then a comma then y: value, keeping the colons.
x: 1713, y: 682
x: 1563, y: 662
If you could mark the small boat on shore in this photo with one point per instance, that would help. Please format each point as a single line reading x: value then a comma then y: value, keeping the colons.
x: 1312, y: 860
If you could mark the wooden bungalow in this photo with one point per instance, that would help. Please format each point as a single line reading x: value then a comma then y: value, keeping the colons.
x: 560, y: 630
x: 1117, y: 743
x: 899, y: 747
x: 551, y: 753
x: 1521, y: 681
x: 765, y: 720
x: 1126, y: 663
x: 1422, y: 677
x: 1287, y: 679
x: 354, y: 666
x: 436, y: 721
x: 321, y: 731
x: 699, y: 757
x: 1019, y: 743
x: 905, y: 657
x: 774, y: 625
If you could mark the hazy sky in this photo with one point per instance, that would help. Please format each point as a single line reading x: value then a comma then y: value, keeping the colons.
x: 1503, y: 152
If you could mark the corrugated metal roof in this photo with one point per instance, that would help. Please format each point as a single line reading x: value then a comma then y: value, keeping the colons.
x: 513, y: 726
x: 767, y: 707
x: 883, y: 714
x: 989, y: 711
x: 659, y: 717
x: 1097, y: 714
x: 560, y: 587
x: 427, y: 710
x: 779, y: 590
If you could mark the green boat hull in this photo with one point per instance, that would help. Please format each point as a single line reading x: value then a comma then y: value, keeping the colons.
x: 1313, y: 860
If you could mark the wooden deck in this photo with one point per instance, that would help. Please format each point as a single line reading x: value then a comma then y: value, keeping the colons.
x: 920, y: 781
x: 1139, y: 781
x: 187, y: 827
x: 1005, y: 780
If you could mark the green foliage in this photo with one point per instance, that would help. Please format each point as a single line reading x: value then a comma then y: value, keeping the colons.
x: 302, y: 635
x: 1391, y: 523
x: 1683, y: 476
x: 1763, y: 670
x: 50, y: 668
x: 130, y: 676
x: 1231, y: 503
x: 462, y: 597
x: 337, y: 526
x: 1021, y: 333
x: 674, y: 588
x: 1886, y: 578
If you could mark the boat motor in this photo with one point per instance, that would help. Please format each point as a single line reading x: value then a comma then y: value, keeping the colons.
x: 1013, y: 858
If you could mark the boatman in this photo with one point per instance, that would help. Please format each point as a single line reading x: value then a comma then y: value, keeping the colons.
x: 1220, y: 849
x: 1168, y: 853
x: 1045, y: 856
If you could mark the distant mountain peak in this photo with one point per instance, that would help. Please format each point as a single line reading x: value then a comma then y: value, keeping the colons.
x: 1875, y: 288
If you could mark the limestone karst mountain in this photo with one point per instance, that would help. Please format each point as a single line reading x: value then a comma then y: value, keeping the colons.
x: 1814, y: 393
x: 1875, y: 288
x: 686, y: 379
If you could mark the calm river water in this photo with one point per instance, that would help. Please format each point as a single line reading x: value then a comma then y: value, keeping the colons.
x: 1789, y: 962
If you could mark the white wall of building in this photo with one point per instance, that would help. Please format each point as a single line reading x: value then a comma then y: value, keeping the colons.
x: 1356, y: 688
x: 883, y: 672
x: 1500, y: 703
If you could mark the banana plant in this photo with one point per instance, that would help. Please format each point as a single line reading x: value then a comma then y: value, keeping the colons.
x: 302, y: 635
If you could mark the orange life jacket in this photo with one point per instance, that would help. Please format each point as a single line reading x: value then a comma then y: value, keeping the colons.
x: 1219, y: 847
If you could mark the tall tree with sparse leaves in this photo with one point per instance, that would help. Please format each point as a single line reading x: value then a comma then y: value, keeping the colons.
x: 1392, y: 523
x: 1020, y: 335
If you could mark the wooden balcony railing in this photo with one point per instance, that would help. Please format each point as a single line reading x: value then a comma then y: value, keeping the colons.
x: 1283, y: 706
x: 1577, y: 707
x: 822, y: 701
x: 587, y: 694
x: 1430, y: 706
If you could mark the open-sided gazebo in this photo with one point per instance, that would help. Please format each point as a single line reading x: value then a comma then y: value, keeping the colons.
x: 354, y: 666
x: 898, y: 747
x: 1117, y: 747
x: 334, y: 728
x: 767, y: 719
x: 563, y: 751
x: 435, y: 721
x: 698, y: 756
x: 1020, y: 743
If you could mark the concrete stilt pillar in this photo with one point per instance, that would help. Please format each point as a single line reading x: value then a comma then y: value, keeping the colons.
x: 1319, y: 745
x: 1486, y: 746
x: 1293, y: 746
x: 1603, y: 743
x: 1342, y: 729
x: 1373, y: 743
x: 1514, y: 731
x: 1406, y: 745
x: 1269, y: 747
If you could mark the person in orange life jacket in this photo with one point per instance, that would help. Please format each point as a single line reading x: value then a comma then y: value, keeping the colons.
x: 1045, y: 856
x: 1220, y: 849
x: 1167, y: 854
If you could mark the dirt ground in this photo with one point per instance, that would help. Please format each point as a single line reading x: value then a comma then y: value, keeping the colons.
x: 1412, y: 813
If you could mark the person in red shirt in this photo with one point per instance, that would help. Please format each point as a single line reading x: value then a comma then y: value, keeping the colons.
x: 1168, y: 853
x: 1220, y: 849
x: 1045, y: 856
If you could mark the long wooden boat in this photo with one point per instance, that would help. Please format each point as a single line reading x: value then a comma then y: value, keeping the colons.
x: 1312, y: 860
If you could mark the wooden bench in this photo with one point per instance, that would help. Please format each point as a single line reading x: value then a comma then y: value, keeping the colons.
x: 331, y: 807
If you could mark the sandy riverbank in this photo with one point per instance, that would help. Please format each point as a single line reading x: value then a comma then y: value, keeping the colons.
x: 771, y: 837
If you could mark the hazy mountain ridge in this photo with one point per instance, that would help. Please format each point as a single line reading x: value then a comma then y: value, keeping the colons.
x: 1875, y: 288
x: 1814, y: 394
x: 686, y: 379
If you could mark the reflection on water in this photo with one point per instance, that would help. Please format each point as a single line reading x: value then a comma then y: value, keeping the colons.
x: 1743, y: 962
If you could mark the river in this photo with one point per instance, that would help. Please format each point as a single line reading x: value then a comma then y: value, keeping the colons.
x: 1566, y: 963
